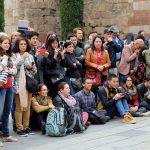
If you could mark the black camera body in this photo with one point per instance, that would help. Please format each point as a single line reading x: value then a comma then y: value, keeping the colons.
x: 121, y: 90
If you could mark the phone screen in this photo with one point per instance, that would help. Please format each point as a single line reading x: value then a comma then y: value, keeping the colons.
x: 42, y: 51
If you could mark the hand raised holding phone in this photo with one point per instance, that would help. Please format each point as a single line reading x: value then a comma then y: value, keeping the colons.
x: 56, y: 51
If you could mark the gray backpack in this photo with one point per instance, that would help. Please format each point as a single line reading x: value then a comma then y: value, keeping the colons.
x: 55, y: 123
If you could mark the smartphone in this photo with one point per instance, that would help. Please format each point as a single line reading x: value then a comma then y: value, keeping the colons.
x: 42, y: 51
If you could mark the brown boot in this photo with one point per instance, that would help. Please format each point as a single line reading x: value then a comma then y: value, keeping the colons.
x: 129, y: 119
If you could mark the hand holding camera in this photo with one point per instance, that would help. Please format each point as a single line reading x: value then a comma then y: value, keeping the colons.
x: 56, y: 51
x: 118, y: 96
x: 109, y: 39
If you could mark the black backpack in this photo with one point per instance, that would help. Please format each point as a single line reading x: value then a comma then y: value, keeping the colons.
x: 74, y: 120
x: 96, y: 116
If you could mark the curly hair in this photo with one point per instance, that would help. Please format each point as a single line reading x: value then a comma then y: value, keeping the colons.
x: 16, y: 46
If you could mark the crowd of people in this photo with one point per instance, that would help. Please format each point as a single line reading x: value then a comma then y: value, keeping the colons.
x: 105, y: 74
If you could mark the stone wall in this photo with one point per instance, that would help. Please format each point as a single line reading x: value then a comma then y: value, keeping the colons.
x: 44, y: 15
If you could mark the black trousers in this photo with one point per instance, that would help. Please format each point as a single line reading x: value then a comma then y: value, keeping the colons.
x: 146, y: 105
x: 38, y: 119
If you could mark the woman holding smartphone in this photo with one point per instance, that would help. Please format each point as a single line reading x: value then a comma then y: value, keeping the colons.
x: 54, y: 65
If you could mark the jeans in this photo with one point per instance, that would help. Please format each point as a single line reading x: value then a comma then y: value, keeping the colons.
x: 13, y: 112
x: 113, y: 71
x: 122, y: 106
x: 72, y: 91
x: 6, y: 98
x: 121, y: 79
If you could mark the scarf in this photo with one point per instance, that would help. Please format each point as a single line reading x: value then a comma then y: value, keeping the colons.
x: 99, y: 56
x: 132, y: 91
x: 23, y: 93
x: 42, y: 100
x: 70, y: 101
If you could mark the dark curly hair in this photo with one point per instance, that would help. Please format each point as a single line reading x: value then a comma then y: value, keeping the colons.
x: 16, y: 46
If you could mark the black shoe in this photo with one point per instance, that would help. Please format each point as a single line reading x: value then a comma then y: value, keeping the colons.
x: 107, y: 118
x: 137, y: 114
x: 1, y: 134
x: 69, y: 131
x: 29, y: 131
x: 14, y: 128
x: 43, y: 129
x: 22, y: 133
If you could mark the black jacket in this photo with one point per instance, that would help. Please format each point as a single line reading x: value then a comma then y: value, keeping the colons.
x: 79, y: 52
x: 113, y: 48
x: 72, y: 66
x: 141, y: 92
x: 52, y: 66
x: 107, y: 98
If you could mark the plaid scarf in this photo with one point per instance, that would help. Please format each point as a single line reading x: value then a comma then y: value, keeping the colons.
x: 70, y: 101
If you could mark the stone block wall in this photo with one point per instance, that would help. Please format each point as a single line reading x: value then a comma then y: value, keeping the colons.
x: 44, y: 15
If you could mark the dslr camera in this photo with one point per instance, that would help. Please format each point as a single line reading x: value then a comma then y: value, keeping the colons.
x: 121, y: 90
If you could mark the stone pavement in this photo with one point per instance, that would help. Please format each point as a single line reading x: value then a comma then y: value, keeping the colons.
x: 115, y: 135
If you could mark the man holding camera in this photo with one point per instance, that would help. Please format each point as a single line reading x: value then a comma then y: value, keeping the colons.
x: 113, y: 100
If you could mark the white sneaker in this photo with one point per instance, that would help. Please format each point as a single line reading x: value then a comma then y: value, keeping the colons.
x: 1, y: 144
x: 146, y: 114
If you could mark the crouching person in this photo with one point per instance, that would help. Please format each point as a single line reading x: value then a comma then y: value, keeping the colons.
x: 113, y: 101
x: 87, y: 103
x: 41, y: 105
x: 75, y: 119
x: 144, y: 96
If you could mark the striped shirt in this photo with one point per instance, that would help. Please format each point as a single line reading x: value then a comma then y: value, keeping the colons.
x: 3, y: 76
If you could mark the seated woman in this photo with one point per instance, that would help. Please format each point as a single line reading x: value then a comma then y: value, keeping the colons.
x: 65, y: 100
x: 41, y: 105
x: 132, y: 97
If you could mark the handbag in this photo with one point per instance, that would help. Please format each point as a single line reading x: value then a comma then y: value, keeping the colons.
x: 95, y: 76
x: 56, y: 79
x: 31, y: 84
x: 77, y: 84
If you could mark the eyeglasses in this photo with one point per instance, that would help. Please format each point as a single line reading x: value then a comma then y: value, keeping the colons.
x: 22, y: 44
x: 45, y: 90
x: 89, y: 82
